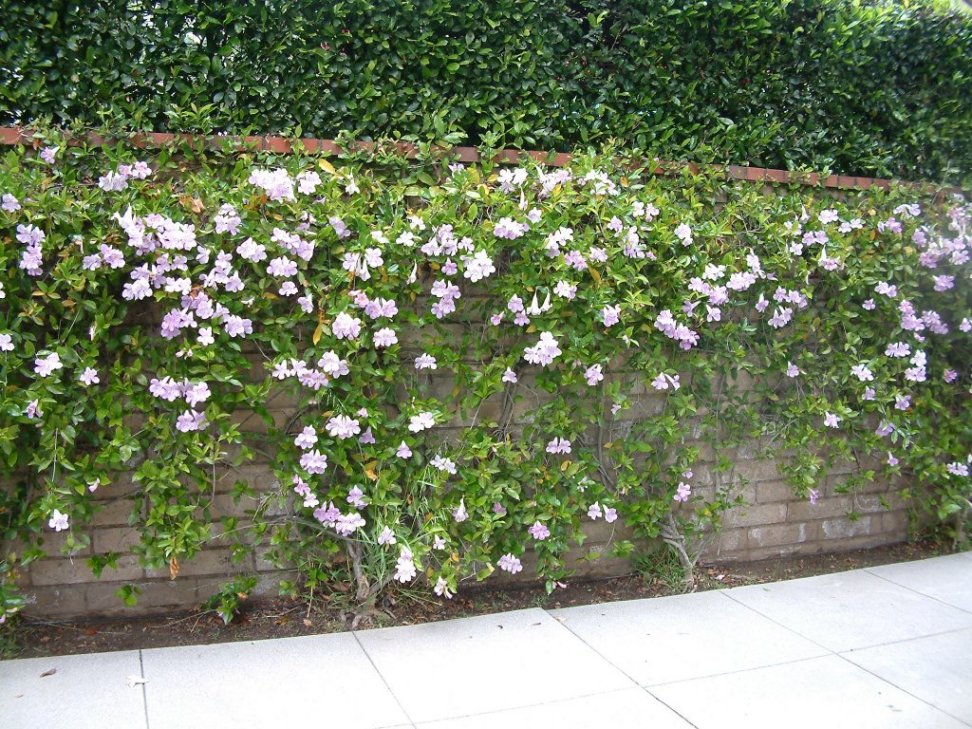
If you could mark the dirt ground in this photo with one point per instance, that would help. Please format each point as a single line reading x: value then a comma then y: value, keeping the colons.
x: 281, y: 618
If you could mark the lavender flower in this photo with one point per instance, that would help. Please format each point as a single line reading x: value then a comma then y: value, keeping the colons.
x: 342, y: 426
x: 509, y: 563
x: 538, y: 531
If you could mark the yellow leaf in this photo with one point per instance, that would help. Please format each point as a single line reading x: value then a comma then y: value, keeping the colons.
x: 326, y: 166
x: 595, y: 275
x: 565, y: 465
x: 607, y: 445
x: 370, y: 470
x: 317, y: 333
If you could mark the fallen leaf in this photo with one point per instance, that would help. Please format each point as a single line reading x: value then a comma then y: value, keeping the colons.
x: 48, y: 672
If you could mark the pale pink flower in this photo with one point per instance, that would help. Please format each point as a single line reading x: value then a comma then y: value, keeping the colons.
x: 611, y: 315
x: 313, y: 462
x: 405, y: 570
x: 58, y: 521
x: 544, y: 351
x: 346, y: 326
x: 425, y: 362
x: 683, y: 492
x: 356, y: 498
x: 442, y: 588
x: 420, y: 422
x: 306, y: 439
x: 957, y: 468
x: 89, y: 377
x: 385, y: 338
x: 444, y: 464
x: 509, y: 563
x: 44, y: 366
x: 538, y: 531
x: 343, y: 426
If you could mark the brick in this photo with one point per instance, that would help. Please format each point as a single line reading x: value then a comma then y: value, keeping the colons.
x: 225, y: 505
x: 76, y: 571
x: 156, y: 597
x: 728, y: 541
x: 119, y: 487
x: 780, y: 534
x: 755, y: 554
x: 55, y: 543
x: 895, y: 523
x: 113, y: 513
x: 774, y: 491
x: 258, y: 476
x: 55, y: 601
x: 759, y: 515
x: 600, y: 532
x: 206, y: 562
x: 114, y: 539
x: 875, y: 503
x: 756, y: 471
x: 839, y: 529
x: 825, y: 508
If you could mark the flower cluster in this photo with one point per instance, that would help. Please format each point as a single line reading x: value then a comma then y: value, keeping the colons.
x: 443, y: 385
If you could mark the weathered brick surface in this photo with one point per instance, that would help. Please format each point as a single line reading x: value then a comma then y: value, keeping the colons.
x: 76, y: 571
x: 756, y: 514
x: 774, y: 522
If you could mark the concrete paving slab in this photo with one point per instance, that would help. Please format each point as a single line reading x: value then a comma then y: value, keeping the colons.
x: 272, y: 683
x: 626, y: 709
x: 660, y: 640
x: 948, y: 579
x: 937, y: 669
x: 85, y: 691
x: 463, y: 667
x: 819, y: 692
x: 849, y: 610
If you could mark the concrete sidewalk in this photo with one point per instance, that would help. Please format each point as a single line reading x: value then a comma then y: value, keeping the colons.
x: 881, y: 647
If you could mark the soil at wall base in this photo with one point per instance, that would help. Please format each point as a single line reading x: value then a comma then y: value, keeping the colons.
x: 281, y: 618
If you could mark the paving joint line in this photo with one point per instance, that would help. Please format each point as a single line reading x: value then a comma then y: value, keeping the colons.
x: 736, y: 671
x: 917, y: 592
x: 620, y: 670
x: 141, y: 668
x: 902, y: 689
x: 904, y: 640
x: 354, y: 634
x: 491, y: 712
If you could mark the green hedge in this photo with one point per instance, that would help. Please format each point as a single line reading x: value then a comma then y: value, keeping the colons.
x: 875, y: 88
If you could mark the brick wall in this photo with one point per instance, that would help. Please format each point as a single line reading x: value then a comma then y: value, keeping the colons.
x: 772, y: 523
